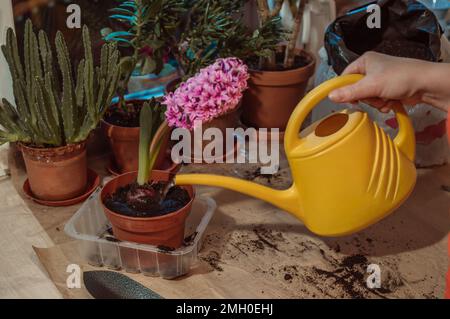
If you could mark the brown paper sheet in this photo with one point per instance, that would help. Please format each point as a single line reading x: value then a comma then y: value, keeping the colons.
x: 251, y: 249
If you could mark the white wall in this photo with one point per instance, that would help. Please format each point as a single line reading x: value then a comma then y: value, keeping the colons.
x: 6, y: 20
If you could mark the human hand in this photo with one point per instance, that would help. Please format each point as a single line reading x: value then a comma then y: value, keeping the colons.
x: 391, y: 80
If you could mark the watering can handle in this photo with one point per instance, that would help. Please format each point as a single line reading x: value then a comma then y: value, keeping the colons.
x: 405, y: 139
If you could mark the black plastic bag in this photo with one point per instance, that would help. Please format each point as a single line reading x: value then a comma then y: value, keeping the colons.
x: 408, y: 29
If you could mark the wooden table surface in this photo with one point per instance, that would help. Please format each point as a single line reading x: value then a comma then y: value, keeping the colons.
x: 21, y: 274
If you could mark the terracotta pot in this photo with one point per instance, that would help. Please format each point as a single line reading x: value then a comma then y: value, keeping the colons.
x: 167, y: 230
x: 273, y: 95
x: 56, y: 174
x: 229, y: 120
x: 448, y: 128
x: 124, y: 143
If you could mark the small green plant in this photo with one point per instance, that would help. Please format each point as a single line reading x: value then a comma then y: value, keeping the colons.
x: 153, y: 130
x: 194, y: 32
x: 215, y: 29
x: 149, y: 24
x: 51, y: 112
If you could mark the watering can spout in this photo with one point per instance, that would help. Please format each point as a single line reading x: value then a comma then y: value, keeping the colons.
x: 284, y: 199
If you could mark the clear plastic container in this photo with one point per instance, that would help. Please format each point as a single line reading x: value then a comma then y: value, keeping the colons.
x: 91, y: 228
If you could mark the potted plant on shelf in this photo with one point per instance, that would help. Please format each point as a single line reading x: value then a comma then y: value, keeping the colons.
x: 149, y: 23
x: 209, y: 99
x: 56, y: 111
x: 142, y: 206
x: 213, y: 29
x: 277, y: 81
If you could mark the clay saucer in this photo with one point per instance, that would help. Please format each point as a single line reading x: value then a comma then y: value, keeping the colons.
x: 93, y: 182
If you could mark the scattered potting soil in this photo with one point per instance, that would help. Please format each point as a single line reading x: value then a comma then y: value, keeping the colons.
x: 267, y: 237
x: 309, y: 268
x: 144, y: 201
x: 251, y: 175
x: 256, y: 175
x: 287, y: 277
x: 213, y: 259
x: 128, y: 117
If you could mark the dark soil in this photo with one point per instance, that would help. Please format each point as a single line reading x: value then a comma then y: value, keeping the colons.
x: 349, y: 275
x: 288, y: 277
x: 213, y: 259
x: 403, y: 48
x: 144, y: 201
x: 128, y: 117
x: 189, y: 240
x: 394, y: 47
x: 165, y: 249
x: 252, y: 175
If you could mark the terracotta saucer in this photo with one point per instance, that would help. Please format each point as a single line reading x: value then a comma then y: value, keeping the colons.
x: 93, y: 183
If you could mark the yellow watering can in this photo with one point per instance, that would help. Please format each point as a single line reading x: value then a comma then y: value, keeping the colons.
x: 347, y: 173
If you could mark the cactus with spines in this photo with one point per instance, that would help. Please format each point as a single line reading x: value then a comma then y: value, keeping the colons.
x: 56, y: 104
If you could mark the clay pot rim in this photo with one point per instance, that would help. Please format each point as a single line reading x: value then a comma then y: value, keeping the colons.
x: 112, y: 168
x: 58, y: 153
x: 157, y: 218
x: 299, y: 52
x: 106, y: 123
x: 118, y: 126
x: 27, y: 146
x: 260, y: 77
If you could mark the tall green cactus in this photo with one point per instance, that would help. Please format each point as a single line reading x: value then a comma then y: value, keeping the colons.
x: 50, y: 113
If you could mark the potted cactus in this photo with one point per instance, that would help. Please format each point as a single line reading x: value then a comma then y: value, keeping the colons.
x: 148, y: 26
x: 143, y: 206
x: 56, y: 109
x: 279, y: 79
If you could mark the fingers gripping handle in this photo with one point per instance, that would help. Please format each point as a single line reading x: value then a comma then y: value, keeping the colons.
x: 405, y: 139
x: 308, y: 103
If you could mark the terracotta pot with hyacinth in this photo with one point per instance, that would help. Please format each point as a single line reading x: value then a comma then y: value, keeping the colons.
x: 210, y: 99
x: 144, y: 206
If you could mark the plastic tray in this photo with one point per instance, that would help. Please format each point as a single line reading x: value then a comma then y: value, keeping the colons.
x: 90, y: 227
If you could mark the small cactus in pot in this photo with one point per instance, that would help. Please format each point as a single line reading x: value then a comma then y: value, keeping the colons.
x: 56, y: 109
